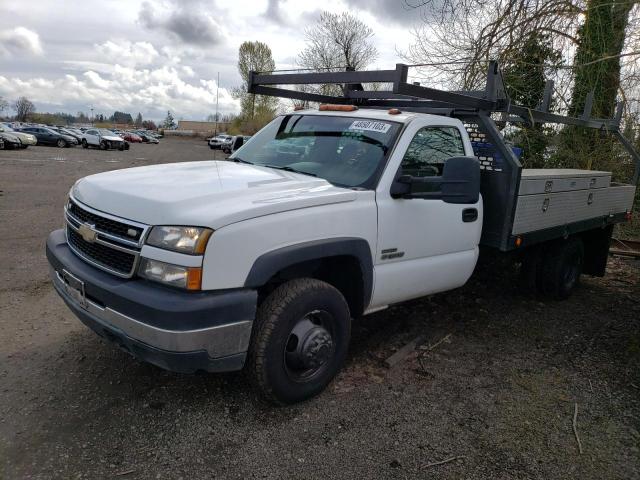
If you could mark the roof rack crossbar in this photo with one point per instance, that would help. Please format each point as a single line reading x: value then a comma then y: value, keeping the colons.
x: 493, y: 99
x: 386, y: 76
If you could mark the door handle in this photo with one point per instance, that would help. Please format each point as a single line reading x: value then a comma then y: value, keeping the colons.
x: 469, y: 215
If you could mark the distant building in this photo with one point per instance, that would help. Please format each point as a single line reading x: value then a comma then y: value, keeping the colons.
x: 202, y: 128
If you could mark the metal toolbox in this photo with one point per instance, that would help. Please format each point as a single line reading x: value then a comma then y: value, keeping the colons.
x: 552, y: 198
x: 534, y: 181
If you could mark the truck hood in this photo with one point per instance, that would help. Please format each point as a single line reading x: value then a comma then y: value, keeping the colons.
x: 209, y: 193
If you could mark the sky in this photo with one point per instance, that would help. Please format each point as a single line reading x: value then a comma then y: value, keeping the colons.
x: 156, y: 55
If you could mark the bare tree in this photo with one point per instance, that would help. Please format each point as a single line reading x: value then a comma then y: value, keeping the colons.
x: 463, y: 35
x: 598, y: 42
x: 23, y: 107
x: 3, y: 105
x: 338, y: 41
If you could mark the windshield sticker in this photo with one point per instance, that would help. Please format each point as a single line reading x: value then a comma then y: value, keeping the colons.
x: 370, y: 126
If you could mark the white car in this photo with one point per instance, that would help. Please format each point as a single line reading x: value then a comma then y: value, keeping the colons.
x: 261, y: 261
x: 103, y: 139
x: 218, y: 141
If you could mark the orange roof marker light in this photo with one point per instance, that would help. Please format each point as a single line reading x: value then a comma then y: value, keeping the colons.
x: 394, y: 111
x: 328, y: 107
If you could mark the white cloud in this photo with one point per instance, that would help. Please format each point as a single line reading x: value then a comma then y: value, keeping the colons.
x: 158, y: 55
x: 185, y: 21
x: 95, y: 80
x: 127, y: 53
x: 152, y: 91
x: 19, y: 40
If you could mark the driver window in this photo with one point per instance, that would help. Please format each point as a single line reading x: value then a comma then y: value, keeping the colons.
x: 429, y: 149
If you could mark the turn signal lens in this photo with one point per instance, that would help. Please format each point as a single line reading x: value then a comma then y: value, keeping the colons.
x: 189, y: 278
x: 194, y: 278
x: 328, y: 107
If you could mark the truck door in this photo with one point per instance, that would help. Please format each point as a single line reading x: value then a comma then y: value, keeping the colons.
x: 424, y: 245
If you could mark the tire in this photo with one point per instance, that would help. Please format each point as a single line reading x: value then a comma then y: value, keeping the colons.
x: 61, y: 143
x: 103, y: 145
x: 560, y: 269
x: 84, y: 143
x: 126, y: 146
x: 299, y: 342
x: 211, y: 147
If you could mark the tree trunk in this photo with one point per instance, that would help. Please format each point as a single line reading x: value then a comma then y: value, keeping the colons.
x: 601, y: 37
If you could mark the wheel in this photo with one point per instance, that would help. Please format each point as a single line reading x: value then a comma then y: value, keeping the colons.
x: 300, y: 340
x: 61, y: 143
x: 121, y: 148
x: 211, y: 147
x: 84, y: 143
x: 103, y: 145
x: 560, y: 269
x: 126, y: 146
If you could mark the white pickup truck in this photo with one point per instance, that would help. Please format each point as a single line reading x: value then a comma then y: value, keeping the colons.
x: 261, y: 261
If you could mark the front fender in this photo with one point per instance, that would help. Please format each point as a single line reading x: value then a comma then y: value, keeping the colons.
x: 270, y: 263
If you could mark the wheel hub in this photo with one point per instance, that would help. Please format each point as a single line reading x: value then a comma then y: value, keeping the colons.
x: 310, y: 345
x: 316, y: 348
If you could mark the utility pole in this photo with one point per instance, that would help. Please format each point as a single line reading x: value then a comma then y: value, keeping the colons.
x: 92, y: 116
x: 217, y: 90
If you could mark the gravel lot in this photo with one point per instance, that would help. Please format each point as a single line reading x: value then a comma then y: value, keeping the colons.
x: 498, y: 392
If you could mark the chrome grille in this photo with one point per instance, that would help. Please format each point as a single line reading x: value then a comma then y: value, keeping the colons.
x: 116, y: 245
x: 106, y: 257
x: 104, y: 224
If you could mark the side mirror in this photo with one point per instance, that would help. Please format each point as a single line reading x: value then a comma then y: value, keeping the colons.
x: 237, y: 143
x: 459, y: 183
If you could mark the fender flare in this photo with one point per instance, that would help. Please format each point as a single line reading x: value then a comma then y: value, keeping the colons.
x: 270, y: 263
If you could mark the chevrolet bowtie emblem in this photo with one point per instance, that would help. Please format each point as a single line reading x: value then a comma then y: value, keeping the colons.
x: 86, y: 231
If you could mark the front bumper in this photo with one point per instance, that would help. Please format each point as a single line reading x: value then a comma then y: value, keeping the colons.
x: 178, y: 331
x: 29, y: 141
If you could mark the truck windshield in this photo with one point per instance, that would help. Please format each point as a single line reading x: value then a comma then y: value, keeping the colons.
x: 345, y: 151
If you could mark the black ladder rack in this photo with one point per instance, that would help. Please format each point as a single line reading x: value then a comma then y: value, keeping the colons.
x: 474, y: 107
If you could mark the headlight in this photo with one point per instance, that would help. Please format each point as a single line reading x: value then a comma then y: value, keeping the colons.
x: 191, y: 240
x: 189, y: 278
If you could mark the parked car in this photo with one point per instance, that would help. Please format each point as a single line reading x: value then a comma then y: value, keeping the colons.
x: 67, y: 131
x: 235, y: 144
x: 76, y: 131
x: 132, y: 137
x: 26, y: 139
x: 1, y: 143
x: 219, y: 140
x: 47, y: 136
x: 146, y: 137
x: 103, y: 139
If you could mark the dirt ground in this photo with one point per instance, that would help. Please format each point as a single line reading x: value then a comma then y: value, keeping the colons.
x: 495, y: 383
